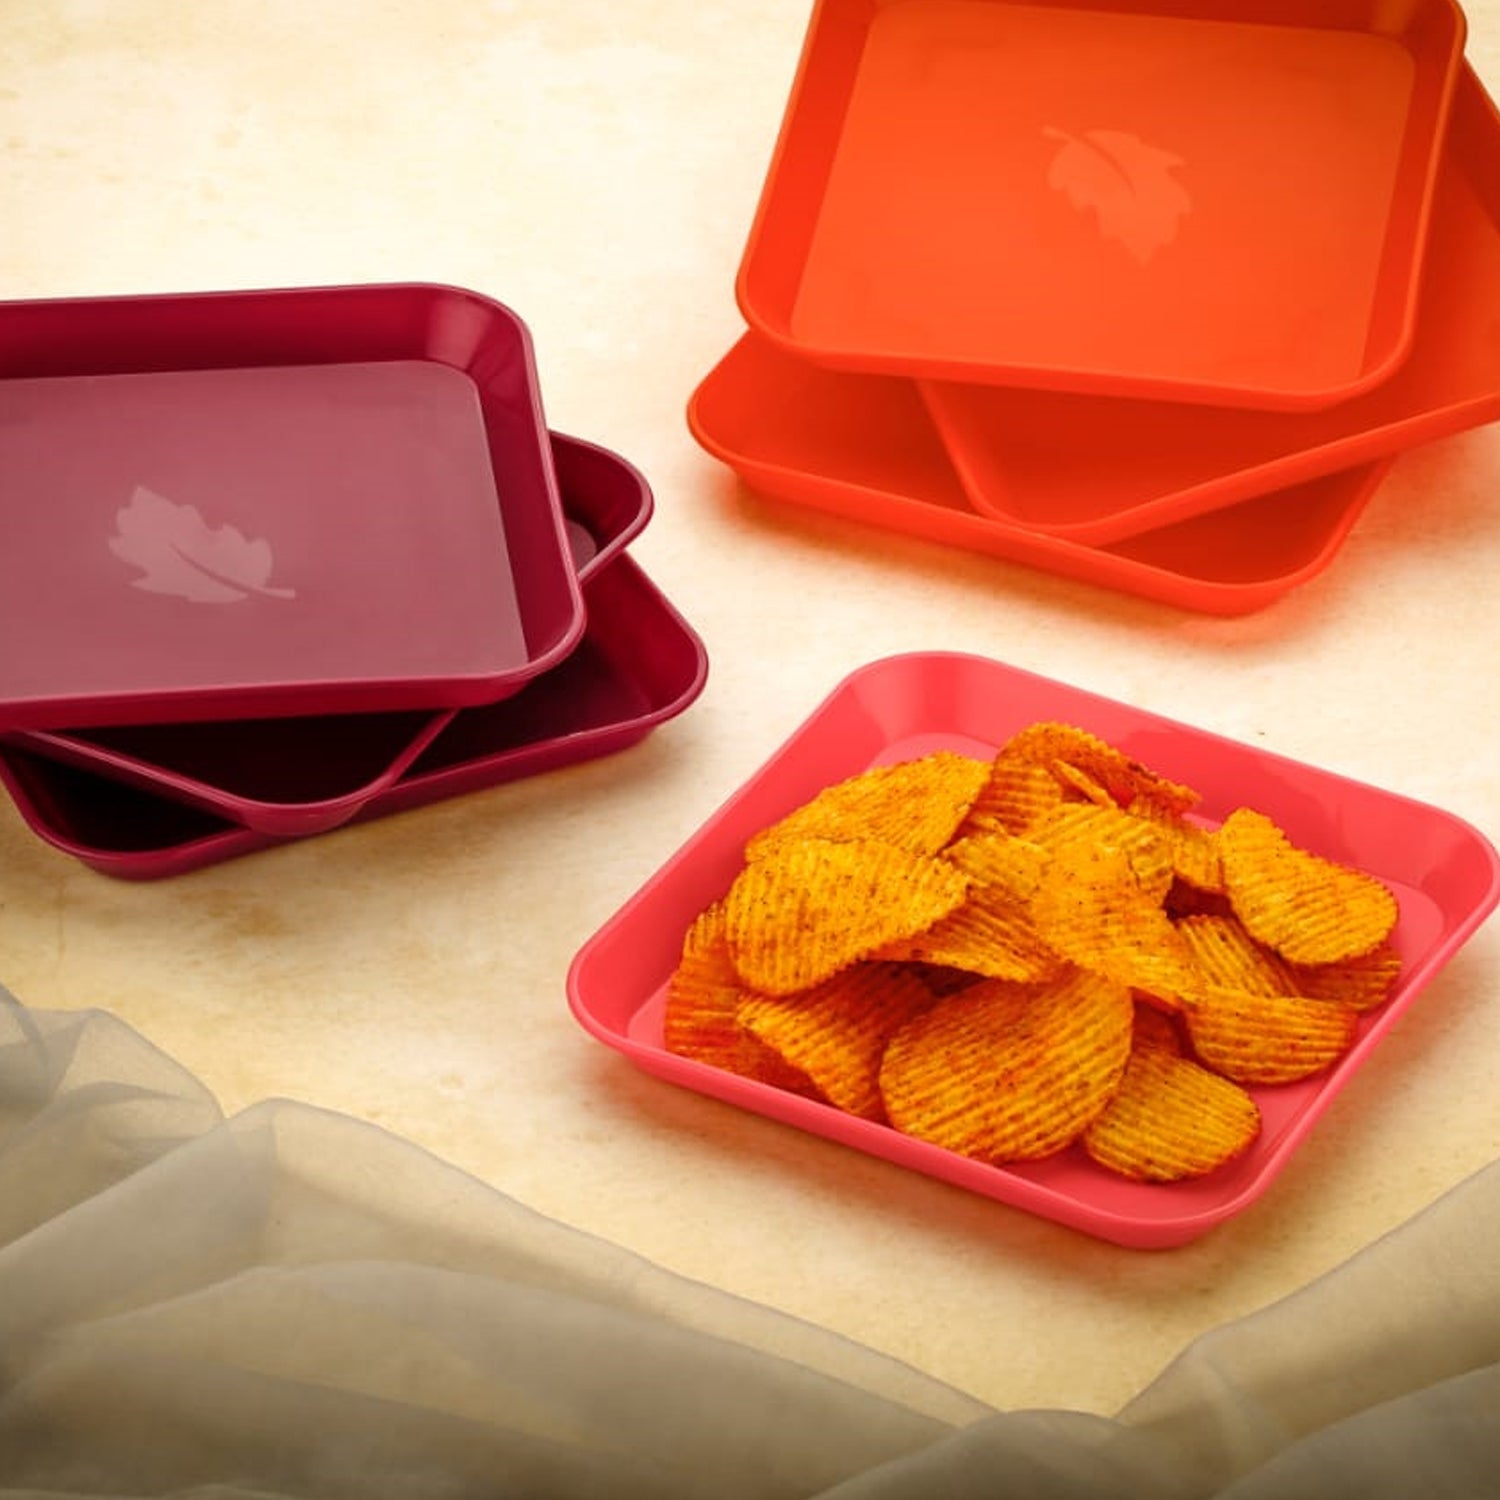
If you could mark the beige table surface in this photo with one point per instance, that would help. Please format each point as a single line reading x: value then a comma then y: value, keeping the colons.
x: 594, y: 164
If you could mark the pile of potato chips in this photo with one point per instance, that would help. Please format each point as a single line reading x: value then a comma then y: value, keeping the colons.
x: 1016, y: 956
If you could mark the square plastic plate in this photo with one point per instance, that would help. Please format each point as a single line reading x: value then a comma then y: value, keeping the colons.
x: 1445, y: 873
x: 863, y: 446
x: 639, y: 665
x: 1145, y: 464
x: 303, y: 775
x: 1176, y: 199
x: 253, y: 504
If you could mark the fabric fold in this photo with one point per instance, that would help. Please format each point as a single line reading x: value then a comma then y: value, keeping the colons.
x: 294, y: 1305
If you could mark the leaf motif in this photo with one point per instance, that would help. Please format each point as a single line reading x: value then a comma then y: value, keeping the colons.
x: 179, y: 553
x: 1128, y: 185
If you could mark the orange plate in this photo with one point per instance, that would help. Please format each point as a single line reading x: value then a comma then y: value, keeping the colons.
x: 1096, y: 469
x: 863, y: 446
x: 1220, y: 201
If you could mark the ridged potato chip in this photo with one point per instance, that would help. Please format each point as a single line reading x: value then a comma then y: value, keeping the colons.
x: 1171, y: 1119
x: 836, y: 1034
x: 701, y: 1016
x: 1093, y: 826
x: 810, y: 907
x: 1193, y: 849
x: 1123, y: 778
x: 1310, y: 909
x: 1360, y: 983
x: 1017, y: 791
x: 1226, y: 954
x: 916, y: 805
x: 1092, y: 909
x: 1254, y: 1038
x: 991, y: 934
x: 1000, y: 862
x: 1078, y: 785
x: 1005, y: 1072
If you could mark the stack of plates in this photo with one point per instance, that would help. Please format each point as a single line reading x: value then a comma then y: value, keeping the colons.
x: 281, y: 560
x: 1146, y: 292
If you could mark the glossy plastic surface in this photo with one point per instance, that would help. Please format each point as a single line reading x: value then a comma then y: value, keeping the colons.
x: 863, y: 446
x: 639, y: 665
x: 303, y: 775
x: 1445, y: 873
x: 255, y: 504
x: 1094, y: 469
x: 1174, y: 199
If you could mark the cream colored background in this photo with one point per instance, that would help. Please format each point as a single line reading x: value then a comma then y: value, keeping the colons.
x: 594, y: 164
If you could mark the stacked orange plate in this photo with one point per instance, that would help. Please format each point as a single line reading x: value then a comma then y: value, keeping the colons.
x: 1145, y: 292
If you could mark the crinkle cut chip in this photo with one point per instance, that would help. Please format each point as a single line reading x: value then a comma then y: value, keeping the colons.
x: 1171, y: 1119
x: 1005, y: 1072
x: 1266, y: 1039
x: 700, y: 1019
x: 837, y: 1033
x: 1102, y: 763
x: 1309, y: 909
x: 811, y: 907
x: 916, y: 805
x: 1092, y: 909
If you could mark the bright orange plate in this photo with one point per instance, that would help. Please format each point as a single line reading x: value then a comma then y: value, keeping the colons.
x: 862, y: 446
x: 1096, y: 469
x: 1220, y: 201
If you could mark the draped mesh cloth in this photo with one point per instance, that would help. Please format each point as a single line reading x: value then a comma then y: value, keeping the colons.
x: 292, y: 1303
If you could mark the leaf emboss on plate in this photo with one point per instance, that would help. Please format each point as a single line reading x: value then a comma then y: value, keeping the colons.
x: 179, y: 553
x: 1129, y: 186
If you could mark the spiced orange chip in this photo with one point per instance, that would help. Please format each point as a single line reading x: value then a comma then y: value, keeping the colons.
x: 1078, y: 785
x: 1192, y: 848
x: 810, y: 907
x: 1000, y: 862
x: 836, y: 1033
x: 1108, y: 827
x: 1090, y: 907
x: 916, y: 805
x: 1254, y: 1038
x: 1123, y: 778
x: 1016, y: 792
x: 1006, y: 1072
x: 1360, y: 983
x: 1226, y: 954
x: 990, y: 934
x: 1311, y: 910
x: 701, y: 1019
x: 1171, y: 1119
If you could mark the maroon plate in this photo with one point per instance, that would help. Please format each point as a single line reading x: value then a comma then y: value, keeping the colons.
x: 639, y: 665
x: 257, y: 504
x: 302, y: 775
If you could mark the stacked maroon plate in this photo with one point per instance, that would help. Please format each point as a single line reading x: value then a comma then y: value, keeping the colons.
x: 280, y: 560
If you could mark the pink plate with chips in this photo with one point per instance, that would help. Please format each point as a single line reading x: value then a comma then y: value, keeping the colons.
x: 1445, y: 873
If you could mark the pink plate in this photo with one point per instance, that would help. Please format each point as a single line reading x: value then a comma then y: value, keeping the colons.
x: 306, y: 774
x: 1445, y: 873
x: 254, y: 504
x: 639, y: 665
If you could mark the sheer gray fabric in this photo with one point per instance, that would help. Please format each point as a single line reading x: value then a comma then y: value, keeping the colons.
x: 294, y: 1304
